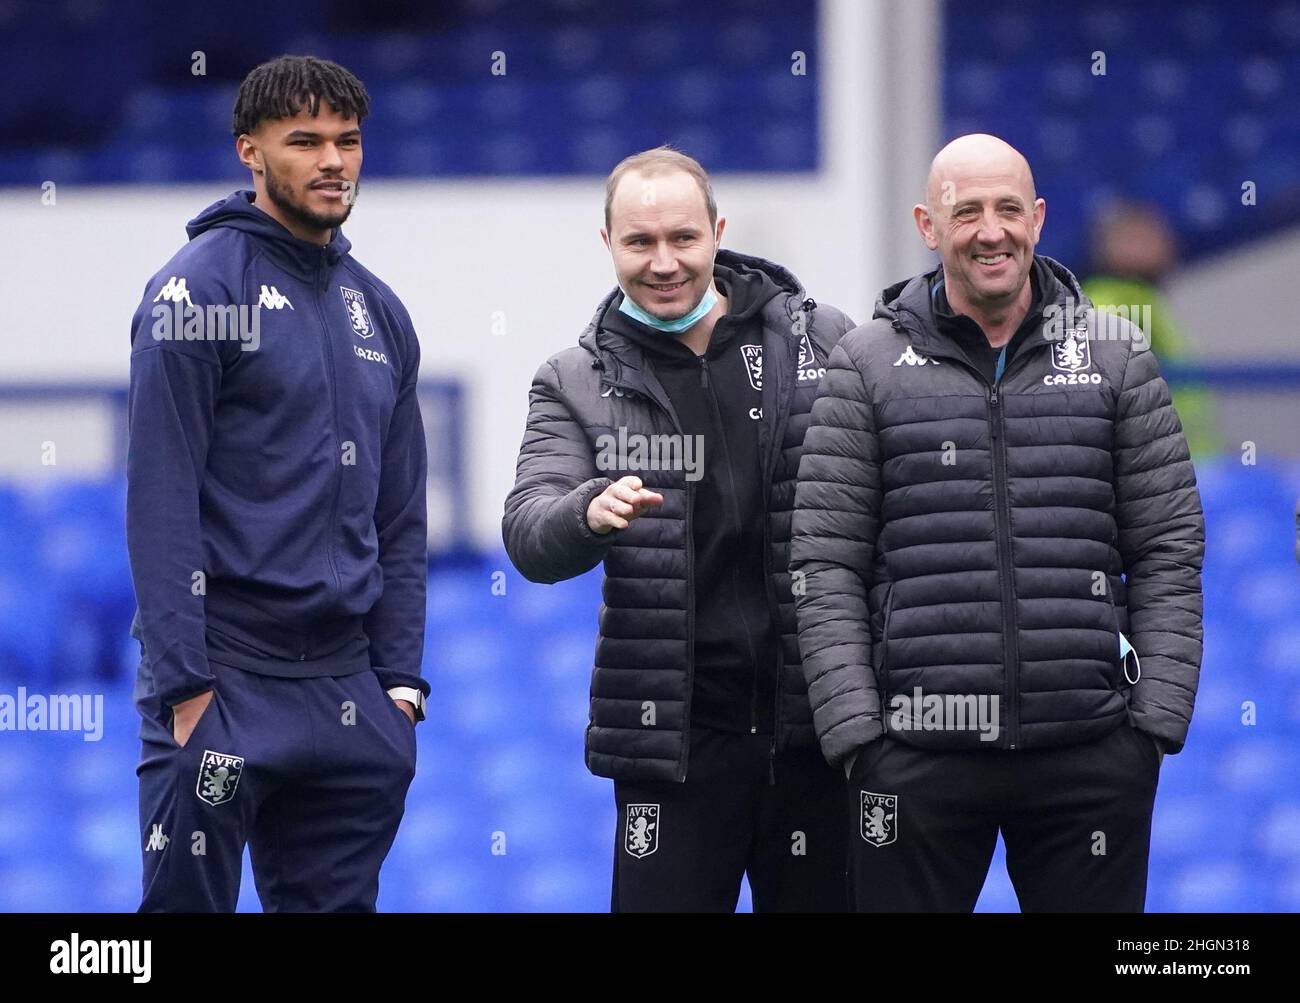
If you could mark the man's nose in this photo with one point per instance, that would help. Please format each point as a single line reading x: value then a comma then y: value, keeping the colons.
x: 991, y: 230
x: 330, y: 158
x: 664, y: 262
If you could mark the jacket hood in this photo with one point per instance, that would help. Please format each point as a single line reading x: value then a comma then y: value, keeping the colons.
x: 237, y: 212
x: 907, y: 303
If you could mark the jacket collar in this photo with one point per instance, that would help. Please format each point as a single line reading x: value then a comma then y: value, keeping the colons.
x: 907, y: 306
x: 237, y: 212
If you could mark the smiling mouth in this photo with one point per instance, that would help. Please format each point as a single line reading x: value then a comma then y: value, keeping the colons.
x: 666, y: 287
x: 992, y: 259
x: 332, y: 189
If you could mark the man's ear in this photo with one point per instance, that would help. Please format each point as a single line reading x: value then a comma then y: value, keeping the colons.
x: 605, y: 237
x: 1040, y: 217
x: 249, y: 155
x: 722, y: 225
x: 925, y: 225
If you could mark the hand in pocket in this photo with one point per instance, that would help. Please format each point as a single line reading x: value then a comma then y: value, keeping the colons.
x: 186, y: 714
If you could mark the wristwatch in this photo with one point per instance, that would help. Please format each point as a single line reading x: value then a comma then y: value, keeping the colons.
x: 412, y: 695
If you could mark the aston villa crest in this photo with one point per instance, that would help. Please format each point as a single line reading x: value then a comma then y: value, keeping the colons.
x: 355, y: 303
x: 641, y: 837
x: 218, y: 777
x: 806, y: 356
x: 879, y: 822
x: 1072, y: 354
x: 753, y: 364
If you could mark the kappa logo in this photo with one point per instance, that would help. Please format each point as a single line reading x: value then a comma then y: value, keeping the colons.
x: 174, y: 292
x: 157, y: 841
x: 911, y: 358
x: 807, y: 364
x: 753, y: 355
x: 355, y: 303
x: 879, y: 818
x: 218, y: 777
x: 1072, y: 353
x: 641, y: 837
x: 273, y: 299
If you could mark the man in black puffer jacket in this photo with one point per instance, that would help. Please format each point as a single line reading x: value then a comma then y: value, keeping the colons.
x: 667, y: 444
x: 1000, y: 537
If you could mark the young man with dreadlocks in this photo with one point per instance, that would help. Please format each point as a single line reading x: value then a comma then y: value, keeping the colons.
x: 276, y: 527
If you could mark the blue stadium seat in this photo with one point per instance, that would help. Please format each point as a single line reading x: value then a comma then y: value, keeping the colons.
x: 438, y: 110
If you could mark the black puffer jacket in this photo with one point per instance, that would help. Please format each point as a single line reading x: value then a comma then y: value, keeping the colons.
x: 973, y: 540
x: 646, y: 638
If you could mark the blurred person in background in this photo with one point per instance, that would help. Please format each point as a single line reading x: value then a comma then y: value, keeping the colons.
x: 1133, y: 252
x: 276, y: 528
x: 1001, y: 538
x: 698, y: 709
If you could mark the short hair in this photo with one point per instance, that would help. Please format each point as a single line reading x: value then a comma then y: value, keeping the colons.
x: 661, y: 160
x: 281, y: 87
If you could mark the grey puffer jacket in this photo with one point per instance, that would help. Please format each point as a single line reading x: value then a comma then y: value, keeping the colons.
x: 966, y: 543
x: 642, y: 679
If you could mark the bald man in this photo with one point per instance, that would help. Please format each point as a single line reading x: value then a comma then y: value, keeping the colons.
x: 999, y: 538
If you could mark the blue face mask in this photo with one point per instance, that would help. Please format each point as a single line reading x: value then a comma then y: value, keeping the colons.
x: 669, y: 326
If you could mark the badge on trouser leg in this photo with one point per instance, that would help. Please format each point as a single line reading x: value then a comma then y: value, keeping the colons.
x: 641, y: 836
x: 218, y: 777
x: 879, y: 818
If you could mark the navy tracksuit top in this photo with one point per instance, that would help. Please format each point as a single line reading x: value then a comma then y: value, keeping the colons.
x: 276, y: 472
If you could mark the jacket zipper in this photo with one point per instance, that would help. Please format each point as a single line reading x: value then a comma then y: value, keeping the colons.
x: 1002, y: 516
x: 326, y: 347
x: 740, y: 528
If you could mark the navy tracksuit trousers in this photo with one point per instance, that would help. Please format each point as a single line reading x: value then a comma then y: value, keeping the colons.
x: 311, y: 773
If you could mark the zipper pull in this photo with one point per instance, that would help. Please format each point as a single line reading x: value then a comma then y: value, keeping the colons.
x: 704, y: 371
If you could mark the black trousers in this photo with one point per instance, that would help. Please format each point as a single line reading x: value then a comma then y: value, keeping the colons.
x: 685, y: 847
x: 1076, y: 822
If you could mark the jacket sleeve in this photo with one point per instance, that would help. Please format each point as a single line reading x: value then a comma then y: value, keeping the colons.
x: 545, y: 525
x: 836, y: 518
x: 1161, y: 544
x: 395, y: 623
x: 171, y: 403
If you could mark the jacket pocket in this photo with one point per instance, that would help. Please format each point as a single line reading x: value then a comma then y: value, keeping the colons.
x: 1115, y: 673
x: 881, y: 655
x: 209, y: 712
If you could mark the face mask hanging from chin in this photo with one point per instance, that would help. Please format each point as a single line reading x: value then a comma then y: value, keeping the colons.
x: 669, y: 326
